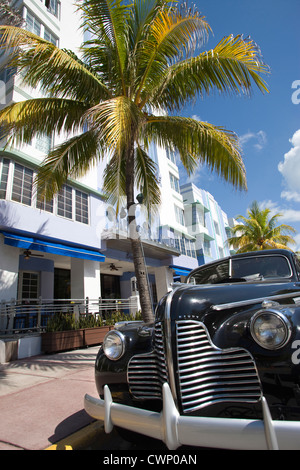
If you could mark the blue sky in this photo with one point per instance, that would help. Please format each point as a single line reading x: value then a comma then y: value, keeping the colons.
x: 268, y: 125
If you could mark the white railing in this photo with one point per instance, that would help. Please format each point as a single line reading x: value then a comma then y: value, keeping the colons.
x: 33, y: 314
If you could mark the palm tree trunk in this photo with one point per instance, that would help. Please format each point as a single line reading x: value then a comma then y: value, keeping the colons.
x: 136, y: 244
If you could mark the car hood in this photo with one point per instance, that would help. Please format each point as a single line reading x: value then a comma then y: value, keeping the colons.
x: 196, y: 301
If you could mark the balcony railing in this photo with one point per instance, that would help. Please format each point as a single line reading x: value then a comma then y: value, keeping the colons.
x: 28, y: 315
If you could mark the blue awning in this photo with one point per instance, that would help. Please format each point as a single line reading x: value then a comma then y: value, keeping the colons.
x: 48, y: 245
x: 180, y: 271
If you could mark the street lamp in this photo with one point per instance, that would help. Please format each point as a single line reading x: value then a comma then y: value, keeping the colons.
x: 140, y: 198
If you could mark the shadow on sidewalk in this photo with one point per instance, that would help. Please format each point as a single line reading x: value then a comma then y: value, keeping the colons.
x: 70, y: 425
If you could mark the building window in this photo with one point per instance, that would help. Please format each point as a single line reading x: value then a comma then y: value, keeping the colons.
x: 4, y: 168
x: 174, y: 183
x: 22, y: 185
x: 217, y: 229
x: 81, y: 207
x: 194, y: 215
x: 33, y: 24
x: 7, y: 73
x: 171, y: 155
x: 43, y: 204
x: 53, y: 6
x: 176, y: 242
x: 43, y: 143
x: 16, y: 184
x: 193, y: 249
x: 64, y: 202
x: 50, y: 36
x: 29, y: 285
x: 206, y: 247
x: 182, y: 246
x: 179, y: 215
x: 190, y: 248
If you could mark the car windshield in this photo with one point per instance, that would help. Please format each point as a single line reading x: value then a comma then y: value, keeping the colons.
x: 242, y: 269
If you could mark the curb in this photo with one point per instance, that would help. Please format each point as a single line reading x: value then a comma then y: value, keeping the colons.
x: 80, y: 438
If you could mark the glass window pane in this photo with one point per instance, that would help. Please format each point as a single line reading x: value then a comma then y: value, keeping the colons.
x: 81, y: 207
x: 22, y: 185
x: 4, y: 168
x: 32, y: 24
x: 64, y: 202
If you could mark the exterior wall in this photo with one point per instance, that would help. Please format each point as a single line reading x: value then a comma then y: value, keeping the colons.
x: 9, y: 268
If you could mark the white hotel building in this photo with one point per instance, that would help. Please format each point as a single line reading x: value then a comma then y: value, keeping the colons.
x: 75, y: 248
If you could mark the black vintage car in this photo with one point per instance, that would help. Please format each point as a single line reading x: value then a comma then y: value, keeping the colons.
x: 220, y: 366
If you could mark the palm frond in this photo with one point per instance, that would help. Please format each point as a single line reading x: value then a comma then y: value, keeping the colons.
x: 23, y: 120
x: 146, y: 179
x: 230, y: 68
x: 57, y: 72
x: 117, y: 118
x: 108, y: 19
x: 10, y: 15
x: 201, y: 142
x: 172, y: 35
x: 73, y: 158
x: 114, y: 182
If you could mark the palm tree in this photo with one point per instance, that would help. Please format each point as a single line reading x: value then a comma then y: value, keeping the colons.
x: 10, y: 15
x: 137, y: 69
x: 260, y: 231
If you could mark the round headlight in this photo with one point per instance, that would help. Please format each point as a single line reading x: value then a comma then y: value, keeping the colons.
x: 114, y: 345
x: 270, y: 329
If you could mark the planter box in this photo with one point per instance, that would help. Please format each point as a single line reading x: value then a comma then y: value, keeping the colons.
x: 93, y: 336
x: 55, y: 341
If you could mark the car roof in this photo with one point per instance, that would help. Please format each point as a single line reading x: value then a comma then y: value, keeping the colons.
x: 248, y: 254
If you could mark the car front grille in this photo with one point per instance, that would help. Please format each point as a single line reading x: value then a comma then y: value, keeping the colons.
x: 210, y: 375
x: 205, y: 373
x: 147, y: 372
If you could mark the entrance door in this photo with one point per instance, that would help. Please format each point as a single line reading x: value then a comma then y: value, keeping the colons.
x: 110, y: 286
x: 62, y: 283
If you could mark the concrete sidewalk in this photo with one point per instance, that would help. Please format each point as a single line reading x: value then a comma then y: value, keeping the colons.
x: 41, y: 398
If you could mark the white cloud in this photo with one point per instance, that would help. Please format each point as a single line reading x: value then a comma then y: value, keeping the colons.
x: 291, y: 196
x: 259, y: 138
x: 290, y: 169
x: 287, y: 215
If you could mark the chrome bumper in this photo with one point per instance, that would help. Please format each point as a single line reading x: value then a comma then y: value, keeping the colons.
x: 175, y: 430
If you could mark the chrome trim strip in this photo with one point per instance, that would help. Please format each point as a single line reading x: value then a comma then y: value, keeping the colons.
x: 230, y: 267
x: 168, y: 343
x: 242, y: 303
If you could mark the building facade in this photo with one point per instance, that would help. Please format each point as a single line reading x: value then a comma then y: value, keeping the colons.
x: 207, y: 222
x: 76, y: 246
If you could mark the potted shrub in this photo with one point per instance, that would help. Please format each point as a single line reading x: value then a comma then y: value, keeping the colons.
x: 94, y: 329
x: 64, y: 332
